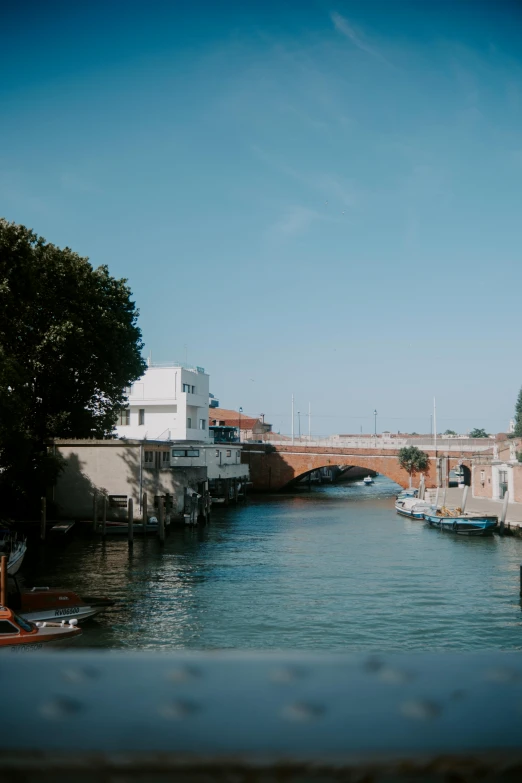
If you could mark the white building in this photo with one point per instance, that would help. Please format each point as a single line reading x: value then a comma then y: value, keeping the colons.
x: 222, y: 460
x: 169, y: 402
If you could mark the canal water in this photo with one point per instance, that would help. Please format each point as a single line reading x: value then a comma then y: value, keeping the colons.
x: 330, y: 569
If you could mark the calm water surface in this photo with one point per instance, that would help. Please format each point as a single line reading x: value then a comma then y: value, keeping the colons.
x: 333, y: 569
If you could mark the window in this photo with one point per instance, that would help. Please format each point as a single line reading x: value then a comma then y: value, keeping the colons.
x: 202, y: 424
x: 23, y: 623
x: 186, y: 387
x: 193, y: 390
x: 124, y: 417
x: 118, y: 501
x: 7, y: 627
x: 217, y: 452
x: 141, y: 416
x: 189, y: 423
x: 148, y: 458
x: 229, y: 452
x: 185, y: 452
x: 165, y: 457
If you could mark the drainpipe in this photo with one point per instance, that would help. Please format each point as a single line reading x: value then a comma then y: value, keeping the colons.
x: 141, y: 475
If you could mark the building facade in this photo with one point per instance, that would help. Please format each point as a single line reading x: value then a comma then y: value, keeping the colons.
x: 120, y: 470
x: 169, y: 402
x: 494, y: 476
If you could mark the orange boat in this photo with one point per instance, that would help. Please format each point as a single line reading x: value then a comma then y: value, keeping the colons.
x: 18, y: 635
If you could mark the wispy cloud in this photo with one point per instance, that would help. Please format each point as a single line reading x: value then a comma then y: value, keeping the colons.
x: 333, y: 189
x: 343, y: 26
x: 296, y: 220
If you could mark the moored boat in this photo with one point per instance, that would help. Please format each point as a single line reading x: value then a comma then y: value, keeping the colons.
x: 461, y: 523
x: 17, y: 634
x: 413, y: 507
x: 368, y: 480
x: 122, y: 528
x: 42, y: 604
x: 14, y: 548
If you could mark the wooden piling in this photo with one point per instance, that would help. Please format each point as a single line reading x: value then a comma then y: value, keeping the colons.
x: 236, y: 492
x: 521, y: 580
x: 503, y: 514
x: 104, y: 516
x: 3, y: 581
x: 227, y: 492
x: 95, y: 511
x: 130, y: 517
x: 145, y: 514
x: 161, y: 521
x: 43, y: 521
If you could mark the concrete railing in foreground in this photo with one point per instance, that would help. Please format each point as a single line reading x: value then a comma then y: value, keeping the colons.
x: 92, y: 716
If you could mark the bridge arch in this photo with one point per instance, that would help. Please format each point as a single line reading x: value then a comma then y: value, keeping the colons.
x: 274, y: 467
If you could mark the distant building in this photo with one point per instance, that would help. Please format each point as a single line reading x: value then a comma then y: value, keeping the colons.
x: 250, y: 428
x: 169, y: 402
x: 498, y: 473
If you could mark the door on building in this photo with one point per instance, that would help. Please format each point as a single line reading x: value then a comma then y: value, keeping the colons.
x: 502, y: 483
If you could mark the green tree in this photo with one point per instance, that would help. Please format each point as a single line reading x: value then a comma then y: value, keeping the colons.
x: 69, y: 345
x: 450, y: 432
x: 413, y: 460
x: 478, y: 433
x: 517, y: 432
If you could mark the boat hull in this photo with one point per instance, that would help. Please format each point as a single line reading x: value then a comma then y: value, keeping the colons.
x: 16, y: 559
x: 462, y: 525
x: 43, y: 605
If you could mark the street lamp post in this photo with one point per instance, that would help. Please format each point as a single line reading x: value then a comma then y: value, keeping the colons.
x: 299, y: 424
x: 375, y: 422
x: 240, y: 412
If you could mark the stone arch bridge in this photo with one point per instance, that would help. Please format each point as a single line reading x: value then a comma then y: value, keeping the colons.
x: 274, y: 466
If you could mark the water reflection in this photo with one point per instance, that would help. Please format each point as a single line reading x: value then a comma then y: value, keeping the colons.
x: 334, y: 568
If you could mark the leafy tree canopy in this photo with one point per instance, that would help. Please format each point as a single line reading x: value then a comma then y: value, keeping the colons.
x: 478, y: 433
x: 518, y: 416
x: 69, y: 345
x: 413, y: 460
x: 450, y: 432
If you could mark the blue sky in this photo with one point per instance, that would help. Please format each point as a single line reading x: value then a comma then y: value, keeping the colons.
x: 317, y: 198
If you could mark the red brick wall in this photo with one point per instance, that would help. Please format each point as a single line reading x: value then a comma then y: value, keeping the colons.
x: 482, y: 488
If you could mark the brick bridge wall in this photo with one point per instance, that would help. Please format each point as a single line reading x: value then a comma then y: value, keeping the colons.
x: 273, y: 467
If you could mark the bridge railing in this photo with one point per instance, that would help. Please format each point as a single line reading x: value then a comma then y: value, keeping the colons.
x: 456, y: 445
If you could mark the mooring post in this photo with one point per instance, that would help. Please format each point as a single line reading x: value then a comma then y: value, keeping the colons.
x: 130, y: 516
x: 43, y: 521
x: 3, y: 581
x: 521, y: 580
x: 104, y: 516
x: 95, y: 511
x: 161, y: 521
x: 145, y: 512
x: 503, y: 515
x: 465, y: 498
x: 236, y: 491
x: 437, y: 498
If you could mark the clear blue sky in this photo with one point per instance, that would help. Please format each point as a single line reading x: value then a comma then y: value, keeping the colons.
x: 322, y: 198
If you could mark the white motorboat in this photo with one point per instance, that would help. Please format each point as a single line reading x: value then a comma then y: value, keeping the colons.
x: 368, y: 480
x: 14, y: 548
x: 413, y: 507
